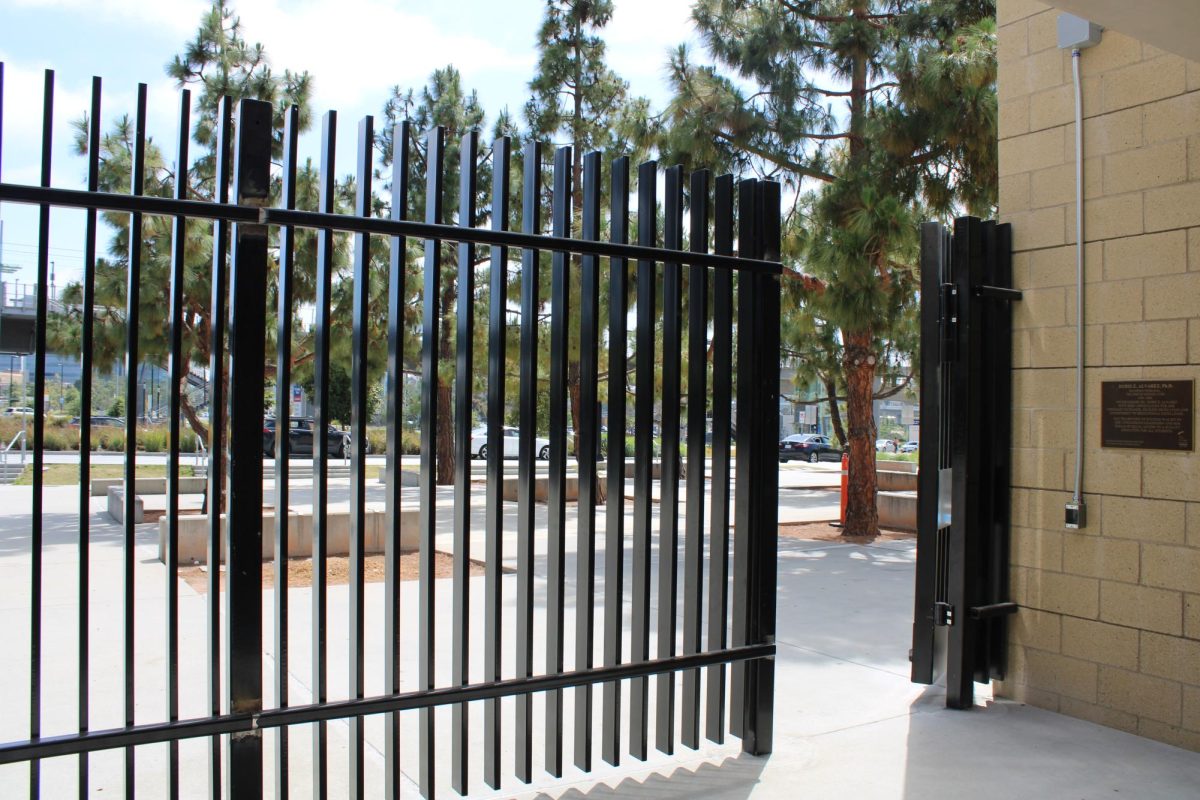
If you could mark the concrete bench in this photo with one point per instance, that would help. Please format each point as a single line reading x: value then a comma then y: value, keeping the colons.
x: 193, y: 534
x: 541, y: 488
x: 895, y: 481
x: 187, y: 485
x: 897, y: 510
x: 116, y: 505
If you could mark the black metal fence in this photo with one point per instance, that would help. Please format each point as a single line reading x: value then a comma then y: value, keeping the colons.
x: 728, y: 615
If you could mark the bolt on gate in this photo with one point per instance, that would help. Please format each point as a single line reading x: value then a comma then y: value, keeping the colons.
x: 728, y: 609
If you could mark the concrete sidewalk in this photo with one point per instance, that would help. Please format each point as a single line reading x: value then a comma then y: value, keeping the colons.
x: 848, y: 723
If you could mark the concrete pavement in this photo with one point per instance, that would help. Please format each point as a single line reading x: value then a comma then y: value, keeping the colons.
x: 848, y: 722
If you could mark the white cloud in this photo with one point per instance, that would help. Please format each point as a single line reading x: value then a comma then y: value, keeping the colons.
x: 356, y: 54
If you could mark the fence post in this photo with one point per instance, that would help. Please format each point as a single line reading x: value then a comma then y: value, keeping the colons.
x: 758, y: 495
x: 243, y: 539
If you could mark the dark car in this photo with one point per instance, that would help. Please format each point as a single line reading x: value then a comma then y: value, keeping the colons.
x: 300, y: 438
x: 810, y: 447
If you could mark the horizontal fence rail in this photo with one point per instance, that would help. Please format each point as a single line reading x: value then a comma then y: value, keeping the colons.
x: 530, y: 328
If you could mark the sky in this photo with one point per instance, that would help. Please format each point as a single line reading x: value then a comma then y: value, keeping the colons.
x: 355, y: 49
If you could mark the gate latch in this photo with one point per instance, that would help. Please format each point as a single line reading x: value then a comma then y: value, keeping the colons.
x: 943, y: 614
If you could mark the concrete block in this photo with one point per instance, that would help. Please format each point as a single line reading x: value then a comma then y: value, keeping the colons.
x: 1191, y: 616
x: 1141, y: 607
x: 116, y: 505
x: 1143, y: 519
x: 1035, y: 548
x: 1167, y: 567
x: 895, y: 481
x: 1097, y: 557
x: 1171, y: 657
x: 1173, y: 118
x: 1139, y: 83
x: 897, y: 510
x: 1172, y: 476
x: 1069, y: 677
x: 1139, y: 694
x: 1037, y: 629
x: 1146, y: 256
x: 193, y: 534
x: 1173, y: 207
x: 1100, y: 642
x: 1173, y: 297
x: 1108, y: 217
x: 1146, y: 343
x: 1064, y: 594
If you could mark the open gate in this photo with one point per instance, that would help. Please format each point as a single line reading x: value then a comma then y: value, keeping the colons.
x: 960, y: 619
x: 595, y: 628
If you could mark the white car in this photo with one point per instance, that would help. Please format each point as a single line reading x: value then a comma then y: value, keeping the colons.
x: 910, y: 447
x: 541, y: 446
x: 885, y: 446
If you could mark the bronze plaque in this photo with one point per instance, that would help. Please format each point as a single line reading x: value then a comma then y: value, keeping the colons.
x: 1152, y: 415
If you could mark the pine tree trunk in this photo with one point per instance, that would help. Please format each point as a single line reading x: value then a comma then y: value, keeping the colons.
x: 445, y: 435
x: 858, y: 365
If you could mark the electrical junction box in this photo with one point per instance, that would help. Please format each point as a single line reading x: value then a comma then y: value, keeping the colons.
x: 1077, y: 33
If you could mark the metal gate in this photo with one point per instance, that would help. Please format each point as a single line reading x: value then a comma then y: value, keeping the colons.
x: 960, y: 619
x: 728, y: 606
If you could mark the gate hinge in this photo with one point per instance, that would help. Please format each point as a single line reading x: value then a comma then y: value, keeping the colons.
x: 943, y: 614
x: 948, y: 322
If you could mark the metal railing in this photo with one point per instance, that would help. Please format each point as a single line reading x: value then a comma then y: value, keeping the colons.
x: 728, y: 621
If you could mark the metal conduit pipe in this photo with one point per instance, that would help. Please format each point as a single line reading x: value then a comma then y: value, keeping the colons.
x: 1076, y: 34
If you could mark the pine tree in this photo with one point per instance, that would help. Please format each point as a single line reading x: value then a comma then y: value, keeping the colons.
x: 221, y: 63
x: 875, y: 113
x: 577, y: 100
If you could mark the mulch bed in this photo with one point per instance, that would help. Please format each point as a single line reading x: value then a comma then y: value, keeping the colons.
x: 826, y: 532
x: 337, y: 571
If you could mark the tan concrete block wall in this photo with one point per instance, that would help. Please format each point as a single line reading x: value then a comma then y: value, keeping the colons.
x: 1109, y: 626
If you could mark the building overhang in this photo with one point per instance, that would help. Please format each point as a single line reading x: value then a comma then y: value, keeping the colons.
x: 1171, y: 25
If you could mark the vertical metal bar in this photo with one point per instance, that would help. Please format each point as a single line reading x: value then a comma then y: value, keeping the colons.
x: 494, y: 520
x: 85, y: 425
x: 643, y: 453
x: 556, y: 495
x: 718, y: 545
x: 283, y: 410
x: 693, y: 548
x: 999, y: 368
x: 132, y: 359
x: 668, y: 509
x: 526, y: 443
x: 748, y: 247
x: 761, y: 497
x: 588, y: 439
x: 321, y: 417
x: 358, y: 446
x: 614, y: 508
x: 397, y: 303
x: 965, y: 438
x: 176, y: 369
x: 463, y: 396
x: 434, y: 147
x: 243, y: 533
x: 39, y: 429
x: 216, y: 424
x: 924, y: 627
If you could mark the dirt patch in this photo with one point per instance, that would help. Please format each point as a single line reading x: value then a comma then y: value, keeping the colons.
x: 826, y: 532
x: 337, y: 571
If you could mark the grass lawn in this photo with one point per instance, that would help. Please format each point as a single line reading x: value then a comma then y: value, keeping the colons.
x: 68, y: 474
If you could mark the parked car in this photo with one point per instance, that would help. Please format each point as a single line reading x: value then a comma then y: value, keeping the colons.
x: 541, y: 446
x: 100, y: 422
x: 910, y: 447
x: 885, y: 446
x: 810, y: 447
x: 300, y: 438
x: 17, y: 411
